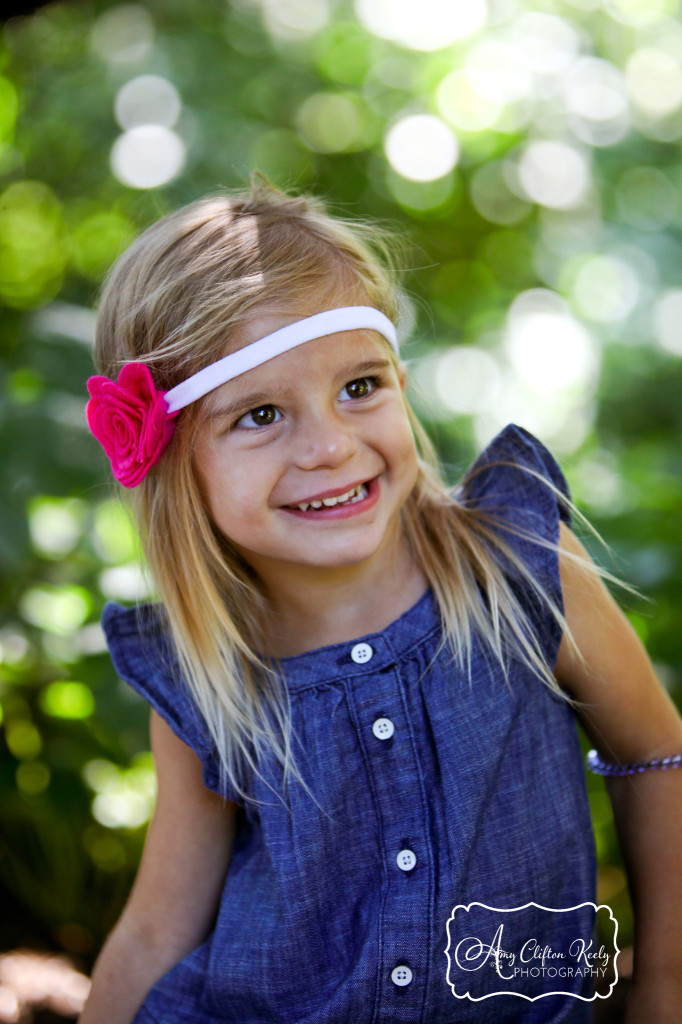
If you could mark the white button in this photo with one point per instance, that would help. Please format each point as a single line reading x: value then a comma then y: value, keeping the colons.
x: 383, y: 728
x: 361, y: 653
x: 401, y: 975
x: 406, y: 860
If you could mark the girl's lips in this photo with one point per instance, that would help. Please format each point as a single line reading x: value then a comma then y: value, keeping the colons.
x: 340, y: 511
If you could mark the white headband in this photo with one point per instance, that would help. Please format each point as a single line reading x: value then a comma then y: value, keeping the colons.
x: 347, y: 318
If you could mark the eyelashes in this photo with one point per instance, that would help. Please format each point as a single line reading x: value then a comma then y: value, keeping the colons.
x: 373, y: 381
x: 270, y: 414
x: 256, y: 412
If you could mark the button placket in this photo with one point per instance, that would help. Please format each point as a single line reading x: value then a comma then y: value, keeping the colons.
x: 407, y: 915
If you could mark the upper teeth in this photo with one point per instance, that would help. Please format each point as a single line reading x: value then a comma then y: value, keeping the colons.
x: 356, y: 494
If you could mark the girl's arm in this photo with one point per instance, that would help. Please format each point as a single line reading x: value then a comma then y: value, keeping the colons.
x: 629, y: 717
x: 177, y: 889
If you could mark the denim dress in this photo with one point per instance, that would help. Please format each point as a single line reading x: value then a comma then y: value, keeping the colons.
x: 435, y: 788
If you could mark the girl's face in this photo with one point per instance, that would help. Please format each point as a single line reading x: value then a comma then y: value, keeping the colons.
x: 326, y: 419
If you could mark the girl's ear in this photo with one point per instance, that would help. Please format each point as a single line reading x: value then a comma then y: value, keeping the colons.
x: 402, y: 374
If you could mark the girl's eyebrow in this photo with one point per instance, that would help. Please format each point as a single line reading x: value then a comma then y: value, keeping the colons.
x: 256, y: 398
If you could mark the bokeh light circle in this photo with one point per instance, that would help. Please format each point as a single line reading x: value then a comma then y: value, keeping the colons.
x: 554, y: 174
x: 148, y: 156
x: 421, y: 147
x: 331, y: 122
x: 291, y: 20
x: 606, y: 289
x: 123, y: 34
x: 549, y: 43
x: 595, y: 96
x: 549, y: 349
x: 147, y: 99
x: 499, y: 71
x: 468, y: 380
x: 493, y: 198
x: 427, y: 25
x: 667, y: 321
x: 463, y: 105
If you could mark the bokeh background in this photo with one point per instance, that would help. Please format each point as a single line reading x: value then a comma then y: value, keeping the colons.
x: 529, y: 156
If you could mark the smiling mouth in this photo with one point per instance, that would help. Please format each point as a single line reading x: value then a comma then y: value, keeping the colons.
x: 356, y: 494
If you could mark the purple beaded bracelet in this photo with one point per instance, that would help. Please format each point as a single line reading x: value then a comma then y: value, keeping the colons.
x: 595, y: 764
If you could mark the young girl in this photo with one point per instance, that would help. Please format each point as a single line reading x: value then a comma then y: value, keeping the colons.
x: 371, y: 794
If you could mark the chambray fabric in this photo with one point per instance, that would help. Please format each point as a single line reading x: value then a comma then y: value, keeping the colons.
x: 483, y: 782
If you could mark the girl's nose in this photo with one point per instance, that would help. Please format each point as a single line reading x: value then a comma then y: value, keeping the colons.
x: 324, y: 441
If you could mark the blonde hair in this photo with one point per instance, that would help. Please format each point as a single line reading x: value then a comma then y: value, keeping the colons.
x: 171, y: 300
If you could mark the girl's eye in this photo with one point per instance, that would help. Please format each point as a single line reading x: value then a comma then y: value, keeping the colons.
x: 263, y: 416
x: 360, y: 388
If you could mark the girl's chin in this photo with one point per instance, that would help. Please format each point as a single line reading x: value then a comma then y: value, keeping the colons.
x: 328, y: 557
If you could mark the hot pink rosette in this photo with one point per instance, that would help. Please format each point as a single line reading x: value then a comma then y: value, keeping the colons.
x: 130, y: 419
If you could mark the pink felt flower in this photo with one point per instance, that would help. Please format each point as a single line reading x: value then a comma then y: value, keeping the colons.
x: 130, y: 419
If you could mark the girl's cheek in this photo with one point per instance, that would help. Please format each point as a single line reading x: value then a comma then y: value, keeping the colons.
x: 403, y: 431
x: 247, y: 495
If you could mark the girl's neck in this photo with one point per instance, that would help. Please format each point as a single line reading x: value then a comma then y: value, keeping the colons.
x: 307, y: 613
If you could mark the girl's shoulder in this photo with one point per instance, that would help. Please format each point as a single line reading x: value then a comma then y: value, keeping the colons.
x: 142, y: 620
x: 138, y: 639
x: 141, y: 649
x: 518, y: 479
x: 516, y: 491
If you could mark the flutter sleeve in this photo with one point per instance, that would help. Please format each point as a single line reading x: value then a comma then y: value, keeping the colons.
x: 142, y: 656
x: 517, y: 501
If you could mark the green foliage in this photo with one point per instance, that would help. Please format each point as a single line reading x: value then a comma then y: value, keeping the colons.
x: 532, y: 163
